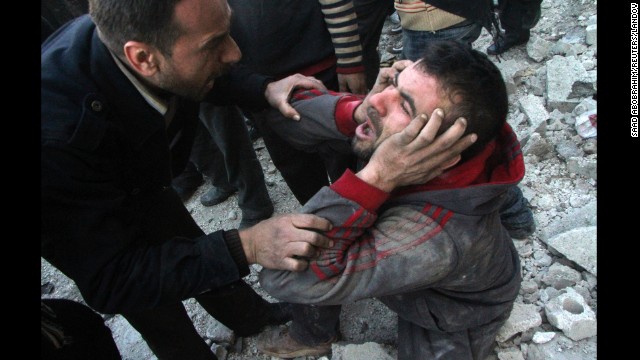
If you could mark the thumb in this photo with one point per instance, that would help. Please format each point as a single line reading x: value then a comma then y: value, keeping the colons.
x: 287, y: 110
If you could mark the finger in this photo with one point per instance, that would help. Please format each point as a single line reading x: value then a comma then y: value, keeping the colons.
x: 401, y: 65
x: 287, y: 110
x: 309, y: 82
x: 309, y: 221
x: 452, y: 134
x: 408, y: 134
x: 292, y: 264
x: 429, y: 132
x: 301, y: 248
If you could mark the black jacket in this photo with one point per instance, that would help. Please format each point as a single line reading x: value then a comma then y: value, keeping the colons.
x: 110, y: 219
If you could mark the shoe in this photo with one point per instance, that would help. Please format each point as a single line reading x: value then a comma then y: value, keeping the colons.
x: 395, y: 49
x: 280, y: 344
x: 395, y: 30
x: 216, y: 196
x: 506, y: 42
x: 394, y: 18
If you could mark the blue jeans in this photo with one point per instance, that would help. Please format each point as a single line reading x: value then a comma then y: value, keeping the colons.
x: 413, y: 42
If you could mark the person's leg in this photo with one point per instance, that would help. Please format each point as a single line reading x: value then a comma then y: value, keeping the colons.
x: 74, y: 331
x: 188, y: 181
x: 517, y: 18
x: 304, y: 173
x: 242, y: 310
x: 243, y: 170
x: 170, y: 334
x: 419, y: 337
x: 516, y: 215
x: 371, y: 17
x: 311, y: 333
x: 414, y: 41
x: 209, y: 160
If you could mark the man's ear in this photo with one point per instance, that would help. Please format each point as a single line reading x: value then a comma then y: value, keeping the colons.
x: 142, y: 57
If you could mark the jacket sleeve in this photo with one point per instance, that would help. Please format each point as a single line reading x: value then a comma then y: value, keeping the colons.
x: 242, y: 87
x: 342, y: 23
x: 402, y: 249
x: 326, y: 119
x: 125, y: 255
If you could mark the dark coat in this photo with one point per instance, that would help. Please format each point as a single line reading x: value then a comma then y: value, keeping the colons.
x: 110, y: 219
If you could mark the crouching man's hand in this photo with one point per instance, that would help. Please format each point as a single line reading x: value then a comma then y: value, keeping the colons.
x: 415, y: 155
x: 285, y: 242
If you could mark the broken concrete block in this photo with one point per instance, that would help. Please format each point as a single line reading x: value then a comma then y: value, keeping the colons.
x: 510, y: 354
x: 560, y: 276
x: 543, y: 337
x: 562, y: 74
x: 580, y: 246
x: 586, y: 167
x: 538, y: 48
x: 533, y: 107
x: 571, y: 314
x: 592, y: 35
x: 369, y: 350
x: 538, y: 146
x: 522, y: 318
x: 562, y: 348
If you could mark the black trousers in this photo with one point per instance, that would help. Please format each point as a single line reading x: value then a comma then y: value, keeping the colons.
x: 223, y: 152
x: 171, y: 335
x: 517, y: 16
x: 80, y: 331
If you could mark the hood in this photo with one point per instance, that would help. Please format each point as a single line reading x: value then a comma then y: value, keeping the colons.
x: 477, y: 186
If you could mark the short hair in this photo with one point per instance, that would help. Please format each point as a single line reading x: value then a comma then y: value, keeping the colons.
x: 149, y: 21
x: 474, y: 87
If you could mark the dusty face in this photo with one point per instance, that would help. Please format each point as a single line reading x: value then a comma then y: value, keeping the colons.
x: 391, y: 110
x: 203, y: 51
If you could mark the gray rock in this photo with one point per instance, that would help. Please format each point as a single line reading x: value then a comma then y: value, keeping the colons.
x: 369, y: 350
x: 580, y: 246
x: 571, y: 314
x: 592, y: 34
x: 591, y: 279
x: 587, y: 167
x: 529, y: 287
x: 562, y: 348
x: 561, y: 276
x: 548, y: 293
x: 543, y: 337
x: 567, y: 149
x: 538, y: 146
x: 533, y: 107
x: 538, y: 48
x: 220, y: 351
x: 590, y: 146
x: 562, y: 74
x: 522, y: 318
x: 509, y: 69
x: 510, y: 354
x: 584, y: 216
x: 219, y: 333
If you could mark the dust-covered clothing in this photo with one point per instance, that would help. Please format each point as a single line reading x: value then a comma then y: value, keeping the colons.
x: 435, y: 253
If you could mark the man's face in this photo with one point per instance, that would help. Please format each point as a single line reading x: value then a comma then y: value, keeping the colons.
x: 391, y: 110
x: 203, y: 51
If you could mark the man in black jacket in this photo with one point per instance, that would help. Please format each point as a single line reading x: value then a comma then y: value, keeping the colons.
x: 119, y: 96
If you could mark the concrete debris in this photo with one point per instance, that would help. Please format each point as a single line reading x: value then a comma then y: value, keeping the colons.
x: 580, y: 246
x: 571, y: 314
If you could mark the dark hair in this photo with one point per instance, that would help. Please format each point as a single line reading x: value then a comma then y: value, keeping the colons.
x: 473, y: 85
x: 148, y: 21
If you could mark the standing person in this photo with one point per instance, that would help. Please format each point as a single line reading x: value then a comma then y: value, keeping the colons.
x: 120, y: 89
x: 424, y: 21
x: 436, y: 253
x: 223, y: 153
x: 319, y: 38
x: 517, y: 18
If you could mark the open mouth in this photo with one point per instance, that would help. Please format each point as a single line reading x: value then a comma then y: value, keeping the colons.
x: 366, y: 131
